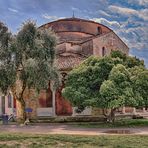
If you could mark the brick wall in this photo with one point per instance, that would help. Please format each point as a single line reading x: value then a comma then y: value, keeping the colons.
x: 110, y: 42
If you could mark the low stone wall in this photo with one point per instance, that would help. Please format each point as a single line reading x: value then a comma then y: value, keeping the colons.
x: 68, y: 119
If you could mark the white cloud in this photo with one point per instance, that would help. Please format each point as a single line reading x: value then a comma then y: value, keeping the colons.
x: 132, y: 31
x: 111, y: 24
x: 143, y: 2
x: 104, y: 13
x: 50, y: 17
x: 122, y: 10
x: 139, y: 2
x: 13, y: 10
x: 75, y: 9
x: 143, y: 13
x: 135, y: 37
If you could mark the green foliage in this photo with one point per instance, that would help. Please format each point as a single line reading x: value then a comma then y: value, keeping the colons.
x: 140, y: 84
x: 118, y: 54
x: 117, y: 90
x: 30, y: 56
x: 127, y: 61
x: 7, y: 76
x: 27, y: 61
x: 7, y: 65
x: 108, y: 82
x: 133, y: 61
x: 84, y: 81
x: 128, y: 123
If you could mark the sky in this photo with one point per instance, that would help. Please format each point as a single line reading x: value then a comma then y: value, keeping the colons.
x: 128, y: 18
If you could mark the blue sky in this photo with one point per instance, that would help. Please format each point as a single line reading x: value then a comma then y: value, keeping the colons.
x: 128, y: 18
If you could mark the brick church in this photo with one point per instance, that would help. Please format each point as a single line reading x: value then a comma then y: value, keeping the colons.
x: 78, y: 39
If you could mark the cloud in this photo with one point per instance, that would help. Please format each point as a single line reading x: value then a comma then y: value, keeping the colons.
x: 139, y: 2
x: 122, y: 10
x: 104, y: 13
x: 75, y: 9
x: 135, y: 37
x: 133, y: 33
x: 143, y: 2
x: 111, y: 24
x: 50, y: 17
x: 13, y: 10
x: 142, y: 54
x: 143, y: 13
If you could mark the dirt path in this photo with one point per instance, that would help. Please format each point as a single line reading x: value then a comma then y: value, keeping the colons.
x: 69, y: 129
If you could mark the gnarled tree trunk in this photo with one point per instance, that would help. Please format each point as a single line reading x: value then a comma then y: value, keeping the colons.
x: 18, y: 92
x: 109, y: 115
x: 112, y: 115
x: 21, y: 114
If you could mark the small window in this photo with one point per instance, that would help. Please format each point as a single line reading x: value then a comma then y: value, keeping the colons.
x: 99, y: 30
x: 103, y: 51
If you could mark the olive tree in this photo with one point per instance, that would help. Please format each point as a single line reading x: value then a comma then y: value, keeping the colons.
x: 26, y: 61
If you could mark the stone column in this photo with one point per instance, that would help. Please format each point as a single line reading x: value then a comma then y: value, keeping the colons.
x: 6, y: 104
x: 12, y: 100
x: 53, y: 104
x: 123, y: 110
x: 0, y: 105
x: 134, y: 110
x: 144, y: 111
x: 53, y: 99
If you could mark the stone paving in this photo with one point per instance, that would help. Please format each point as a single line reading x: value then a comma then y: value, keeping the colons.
x: 69, y: 129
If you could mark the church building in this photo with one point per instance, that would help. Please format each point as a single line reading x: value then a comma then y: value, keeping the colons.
x: 78, y: 39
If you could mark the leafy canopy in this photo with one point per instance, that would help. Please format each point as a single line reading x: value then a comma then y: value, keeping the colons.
x: 27, y: 57
x: 103, y: 82
x: 117, y: 90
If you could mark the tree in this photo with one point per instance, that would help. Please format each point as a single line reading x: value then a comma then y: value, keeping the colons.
x: 87, y: 84
x: 27, y: 61
x: 117, y: 91
x: 83, y: 83
x: 127, y: 61
x: 6, y: 66
x: 139, y: 80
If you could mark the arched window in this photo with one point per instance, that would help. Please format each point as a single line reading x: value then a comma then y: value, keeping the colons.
x: 99, y: 30
x: 103, y: 51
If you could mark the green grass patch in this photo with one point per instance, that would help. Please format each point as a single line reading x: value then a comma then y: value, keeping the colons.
x: 118, y: 123
x: 60, y: 141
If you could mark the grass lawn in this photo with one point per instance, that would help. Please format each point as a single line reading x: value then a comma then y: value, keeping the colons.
x: 68, y: 141
x: 118, y: 123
